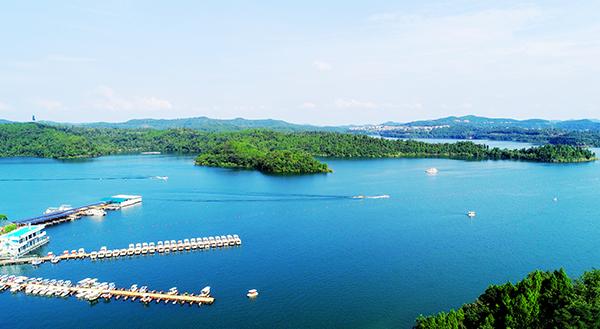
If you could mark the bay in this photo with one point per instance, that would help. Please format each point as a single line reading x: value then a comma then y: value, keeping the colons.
x: 318, y: 257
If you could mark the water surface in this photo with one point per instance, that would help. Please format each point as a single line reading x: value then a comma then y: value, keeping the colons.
x: 318, y: 257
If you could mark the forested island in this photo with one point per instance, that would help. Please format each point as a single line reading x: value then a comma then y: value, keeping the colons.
x: 264, y: 150
x: 541, y: 300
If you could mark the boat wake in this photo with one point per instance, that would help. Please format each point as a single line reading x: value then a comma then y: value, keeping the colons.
x: 71, y: 179
x: 383, y: 196
x: 163, y: 178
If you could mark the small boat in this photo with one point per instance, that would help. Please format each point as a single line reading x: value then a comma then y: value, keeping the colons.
x: 93, y: 255
x: 53, y: 210
x: 36, y: 262
x: 55, y: 260
x: 432, y: 171
x: 123, y: 252
x: 205, y: 292
x: 252, y: 293
x: 471, y: 214
x: 81, y: 252
x: 164, y: 178
x: 237, y: 239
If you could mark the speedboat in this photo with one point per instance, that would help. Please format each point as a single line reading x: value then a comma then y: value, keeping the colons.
x: 205, y: 292
x: 36, y: 262
x: 471, y: 214
x: 252, y: 293
x: 432, y: 171
x: 55, y: 260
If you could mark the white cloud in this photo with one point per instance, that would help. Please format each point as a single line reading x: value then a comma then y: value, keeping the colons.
x: 322, y: 66
x: 106, y: 98
x: 49, y: 104
x: 353, y: 103
x: 308, y: 105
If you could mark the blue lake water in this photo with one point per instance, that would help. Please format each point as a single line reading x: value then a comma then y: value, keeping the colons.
x: 319, y: 258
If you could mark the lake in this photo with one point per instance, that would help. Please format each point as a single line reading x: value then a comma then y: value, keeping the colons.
x: 319, y: 258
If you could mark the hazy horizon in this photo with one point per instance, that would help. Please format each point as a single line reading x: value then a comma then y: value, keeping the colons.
x: 333, y: 63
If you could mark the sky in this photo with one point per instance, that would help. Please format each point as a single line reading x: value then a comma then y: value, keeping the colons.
x: 317, y: 62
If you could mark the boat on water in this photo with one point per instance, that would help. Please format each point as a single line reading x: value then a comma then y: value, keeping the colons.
x: 36, y: 262
x: 150, y: 153
x: 55, y: 260
x: 164, y: 178
x: 205, y: 292
x: 432, y: 171
x: 471, y: 214
x: 383, y: 196
x: 94, y: 212
x: 61, y: 208
x: 252, y: 293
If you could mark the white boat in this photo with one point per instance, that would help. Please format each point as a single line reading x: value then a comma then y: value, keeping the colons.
x: 252, y: 293
x: 95, y: 212
x: 165, y: 178
x: 237, y: 239
x: 55, y: 260
x: 383, y: 196
x: 93, y: 254
x: 53, y: 210
x: 471, y: 214
x: 36, y: 262
x: 432, y: 171
x: 123, y: 252
x: 205, y: 292
x: 150, y: 153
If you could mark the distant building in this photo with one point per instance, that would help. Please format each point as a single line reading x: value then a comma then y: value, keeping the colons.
x: 22, y: 241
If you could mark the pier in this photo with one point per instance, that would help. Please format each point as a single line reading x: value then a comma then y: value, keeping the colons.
x: 113, y: 203
x: 138, y: 249
x: 92, y: 290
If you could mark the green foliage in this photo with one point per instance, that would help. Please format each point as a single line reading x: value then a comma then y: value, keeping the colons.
x: 243, y: 154
x: 268, y: 151
x: 9, y: 228
x: 541, y: 300
x: 3, y: 217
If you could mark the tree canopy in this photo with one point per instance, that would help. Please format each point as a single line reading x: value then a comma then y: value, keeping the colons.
x: 541, y: 300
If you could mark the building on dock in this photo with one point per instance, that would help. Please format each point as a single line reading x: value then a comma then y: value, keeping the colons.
x: 122, y: 200
x: 22, y: 241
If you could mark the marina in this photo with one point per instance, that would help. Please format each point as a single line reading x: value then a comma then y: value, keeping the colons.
x: 64, y: 213
x: 145, y: 248
x: 91, y: 290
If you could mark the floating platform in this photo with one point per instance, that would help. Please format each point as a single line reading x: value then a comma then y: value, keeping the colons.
x: 138, y: 249
x: 91, y: 290
x: 113, y: 203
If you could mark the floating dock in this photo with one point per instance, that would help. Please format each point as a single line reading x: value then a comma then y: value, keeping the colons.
x: 161, y: 247
x: 91, y: 290
x: 113, y: 203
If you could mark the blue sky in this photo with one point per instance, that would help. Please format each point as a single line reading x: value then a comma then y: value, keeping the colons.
x: 338, y: 62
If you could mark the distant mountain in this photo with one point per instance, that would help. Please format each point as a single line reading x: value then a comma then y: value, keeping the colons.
x: 502, y: 123
x: 4, y: 121
x: 205, y: 124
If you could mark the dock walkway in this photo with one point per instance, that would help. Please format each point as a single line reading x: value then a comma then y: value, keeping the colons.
x: 94, y: 292
x: 166, y: 247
